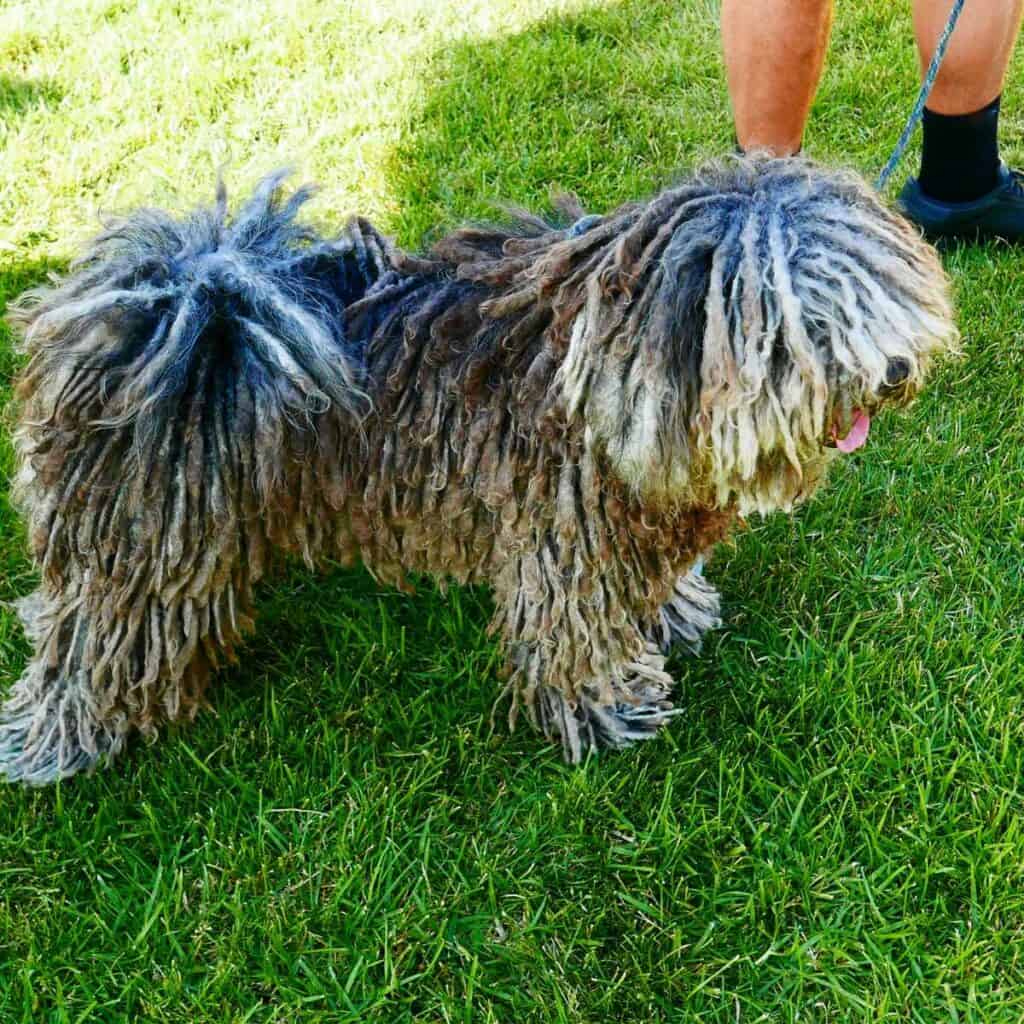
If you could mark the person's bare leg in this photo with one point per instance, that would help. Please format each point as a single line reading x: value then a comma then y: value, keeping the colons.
x: 979, y: 51
x: 774, y: 55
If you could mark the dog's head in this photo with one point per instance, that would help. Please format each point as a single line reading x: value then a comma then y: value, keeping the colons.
x: 742, y: 327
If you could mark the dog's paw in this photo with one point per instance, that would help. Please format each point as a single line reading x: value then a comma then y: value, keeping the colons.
x: 49, y: 731
x: 693, y: 610
x: 638, y: 708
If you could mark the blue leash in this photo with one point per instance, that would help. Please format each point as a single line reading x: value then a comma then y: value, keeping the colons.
x: 922, y: 97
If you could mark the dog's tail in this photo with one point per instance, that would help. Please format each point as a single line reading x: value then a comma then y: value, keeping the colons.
x: 181, y: 384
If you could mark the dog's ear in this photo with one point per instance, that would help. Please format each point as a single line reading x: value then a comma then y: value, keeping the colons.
x: 628, y: 387
x: 635, y: 357
x: 675, y: 330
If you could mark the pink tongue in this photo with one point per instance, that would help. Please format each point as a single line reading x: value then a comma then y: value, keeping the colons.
x: 858, y: 433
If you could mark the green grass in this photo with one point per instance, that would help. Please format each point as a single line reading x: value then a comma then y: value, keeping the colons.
x: 832, y: 831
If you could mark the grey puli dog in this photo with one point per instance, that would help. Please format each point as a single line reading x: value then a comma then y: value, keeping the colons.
x: 572, y: 415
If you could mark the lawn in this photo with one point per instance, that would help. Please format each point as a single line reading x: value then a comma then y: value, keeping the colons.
x: 831, y: 832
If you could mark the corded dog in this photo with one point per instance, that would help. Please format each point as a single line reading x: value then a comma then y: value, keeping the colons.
x: 573, y: 415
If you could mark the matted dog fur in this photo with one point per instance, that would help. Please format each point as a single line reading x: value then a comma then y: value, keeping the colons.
x: 571, y: 415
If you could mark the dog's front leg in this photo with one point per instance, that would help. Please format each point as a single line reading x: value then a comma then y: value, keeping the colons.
x: 613, y: 712
x: 580, y: 664
x: 693, y: 610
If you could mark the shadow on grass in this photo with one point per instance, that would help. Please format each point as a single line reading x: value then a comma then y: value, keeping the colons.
x: 600, y: 102
x: 17, y: 577
x: 16, y: 278
x: 18, y: 95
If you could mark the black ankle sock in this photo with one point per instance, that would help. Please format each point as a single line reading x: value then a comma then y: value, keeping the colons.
x: 960, y: 154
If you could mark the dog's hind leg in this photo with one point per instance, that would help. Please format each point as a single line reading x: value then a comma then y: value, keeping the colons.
x: 51, y: 725
x: 110, y: 660
x: 187, y: 393
x: 693, y: 610
x: 147, y: 577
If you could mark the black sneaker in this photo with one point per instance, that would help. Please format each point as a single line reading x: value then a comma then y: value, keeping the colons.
x: 997, y: 214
